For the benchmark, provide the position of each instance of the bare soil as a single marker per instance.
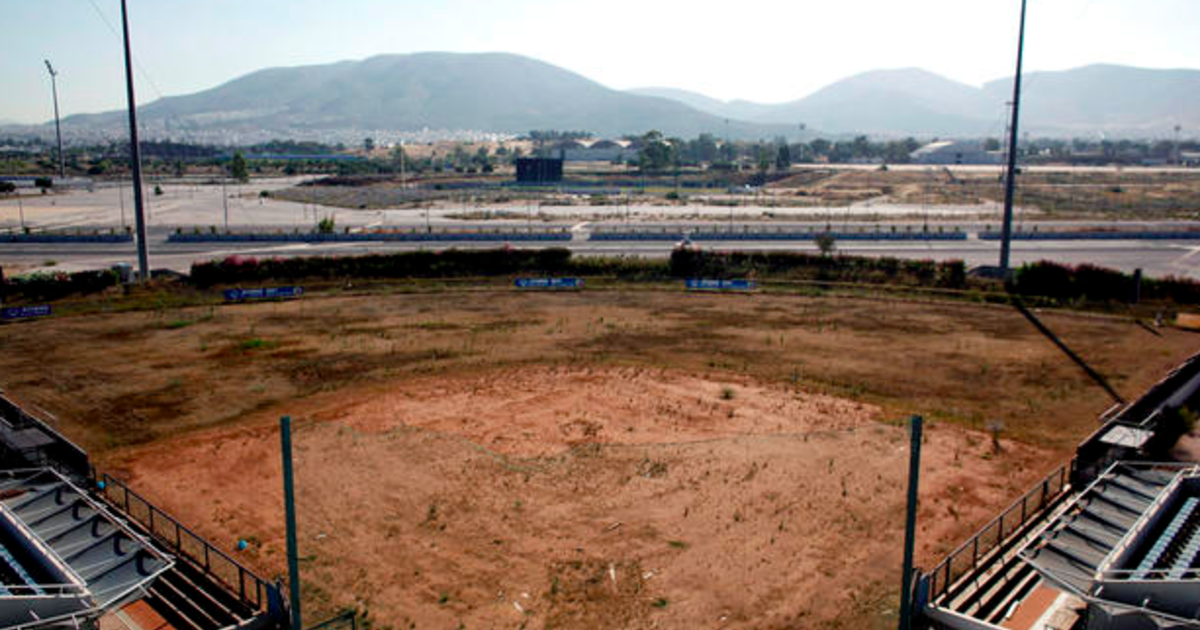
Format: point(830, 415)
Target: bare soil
point(604, 458)
point(580, 498)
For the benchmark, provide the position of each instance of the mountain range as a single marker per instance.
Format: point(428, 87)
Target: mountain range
point(1089, 101)
point(511, 94)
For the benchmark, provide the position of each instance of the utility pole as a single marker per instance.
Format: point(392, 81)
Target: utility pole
point(1011, 180)
point(135, 157)
point(62, 169)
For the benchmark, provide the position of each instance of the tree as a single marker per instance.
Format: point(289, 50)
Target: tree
point(706, 148)
point(7, 187)
point(820, 147)
point(826, 243)
point(655, 154)
point(369, 144)
point(237, 168)
point(783, 157)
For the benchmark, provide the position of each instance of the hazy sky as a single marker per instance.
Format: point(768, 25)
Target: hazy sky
point(762, 50)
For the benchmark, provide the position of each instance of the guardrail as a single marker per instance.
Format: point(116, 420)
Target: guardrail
point(979, 548)
point(168, 531)
point(1085, 235)
point(37, 237)
point(359, 237)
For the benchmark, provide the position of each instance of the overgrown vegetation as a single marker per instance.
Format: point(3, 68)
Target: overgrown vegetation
point(1072, 284)
point(54, 285)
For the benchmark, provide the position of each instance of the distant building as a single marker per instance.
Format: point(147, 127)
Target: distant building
point(1189, 158)
point(539, 170)
point(590, 150)
point(954, 152)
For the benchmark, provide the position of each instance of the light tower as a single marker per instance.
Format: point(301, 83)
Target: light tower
point(135, 158)
point(1011, 179)
point(62, 169)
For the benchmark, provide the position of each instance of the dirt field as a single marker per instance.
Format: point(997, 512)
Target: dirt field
point(628, 459)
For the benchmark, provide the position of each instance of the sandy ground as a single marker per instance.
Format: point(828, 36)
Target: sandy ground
point(738, 461)
point(579, 498)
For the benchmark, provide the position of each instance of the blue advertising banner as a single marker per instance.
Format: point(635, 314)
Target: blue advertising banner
point(700, 284)
point(549, 283)
point(268, 293)
point(25, 312)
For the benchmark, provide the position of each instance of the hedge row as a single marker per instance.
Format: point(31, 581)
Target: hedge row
point(52, 285)
point(693, 263)
point(1100, 284)
point(425, 264)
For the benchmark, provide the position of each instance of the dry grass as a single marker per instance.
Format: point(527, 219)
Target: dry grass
point(135, 377)
point(702, 451)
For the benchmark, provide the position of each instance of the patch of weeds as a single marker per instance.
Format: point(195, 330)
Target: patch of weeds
point(256, 343)
point(727, 393)
point(177, 324)
point(678, 544)
point(445, 597)
point(661, 602)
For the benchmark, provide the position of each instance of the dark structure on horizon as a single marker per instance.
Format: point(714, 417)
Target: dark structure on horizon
point(539, 170)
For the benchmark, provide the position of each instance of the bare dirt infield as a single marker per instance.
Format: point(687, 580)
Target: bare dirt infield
point(601, 459)
point(582, 498)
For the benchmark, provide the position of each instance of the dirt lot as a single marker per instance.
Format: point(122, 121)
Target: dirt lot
point(632, 459)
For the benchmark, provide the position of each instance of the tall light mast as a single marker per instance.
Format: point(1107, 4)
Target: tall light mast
point(62, 169)
point(135, 156)
point(1011, 178)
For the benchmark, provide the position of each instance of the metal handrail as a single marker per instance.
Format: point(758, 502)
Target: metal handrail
point(943, 576)
point(249, 587)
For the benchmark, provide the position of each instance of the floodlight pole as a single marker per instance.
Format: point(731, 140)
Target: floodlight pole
point(910, 525)
point(1011, 178)
point(62, 169)
point(289, 504)
point(135, 157)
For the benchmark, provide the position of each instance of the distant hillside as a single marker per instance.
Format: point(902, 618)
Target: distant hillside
point(909, 101)
point(506, 93)
point(1113, 100)
point(1100, 99)
point(735, 110)
point(488, 92)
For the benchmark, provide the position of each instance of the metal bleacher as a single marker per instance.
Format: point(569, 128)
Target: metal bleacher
point(1071, 550)
point(78, 559)
point(103, 547)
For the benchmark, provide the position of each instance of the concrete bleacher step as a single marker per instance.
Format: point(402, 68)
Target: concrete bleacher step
point(186, 604)
point(167, 609)
point(993, 592)
point(1003, 607)
point(186, 598)
point(216, 602)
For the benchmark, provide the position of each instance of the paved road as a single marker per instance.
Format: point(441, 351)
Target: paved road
point(1155, 258)
point(204, 205)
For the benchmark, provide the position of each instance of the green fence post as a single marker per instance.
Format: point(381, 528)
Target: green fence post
point(910, 528)
point(289, 503)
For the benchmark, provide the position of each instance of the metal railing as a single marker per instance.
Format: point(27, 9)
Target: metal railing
point(979, 548)
point(216, 564)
